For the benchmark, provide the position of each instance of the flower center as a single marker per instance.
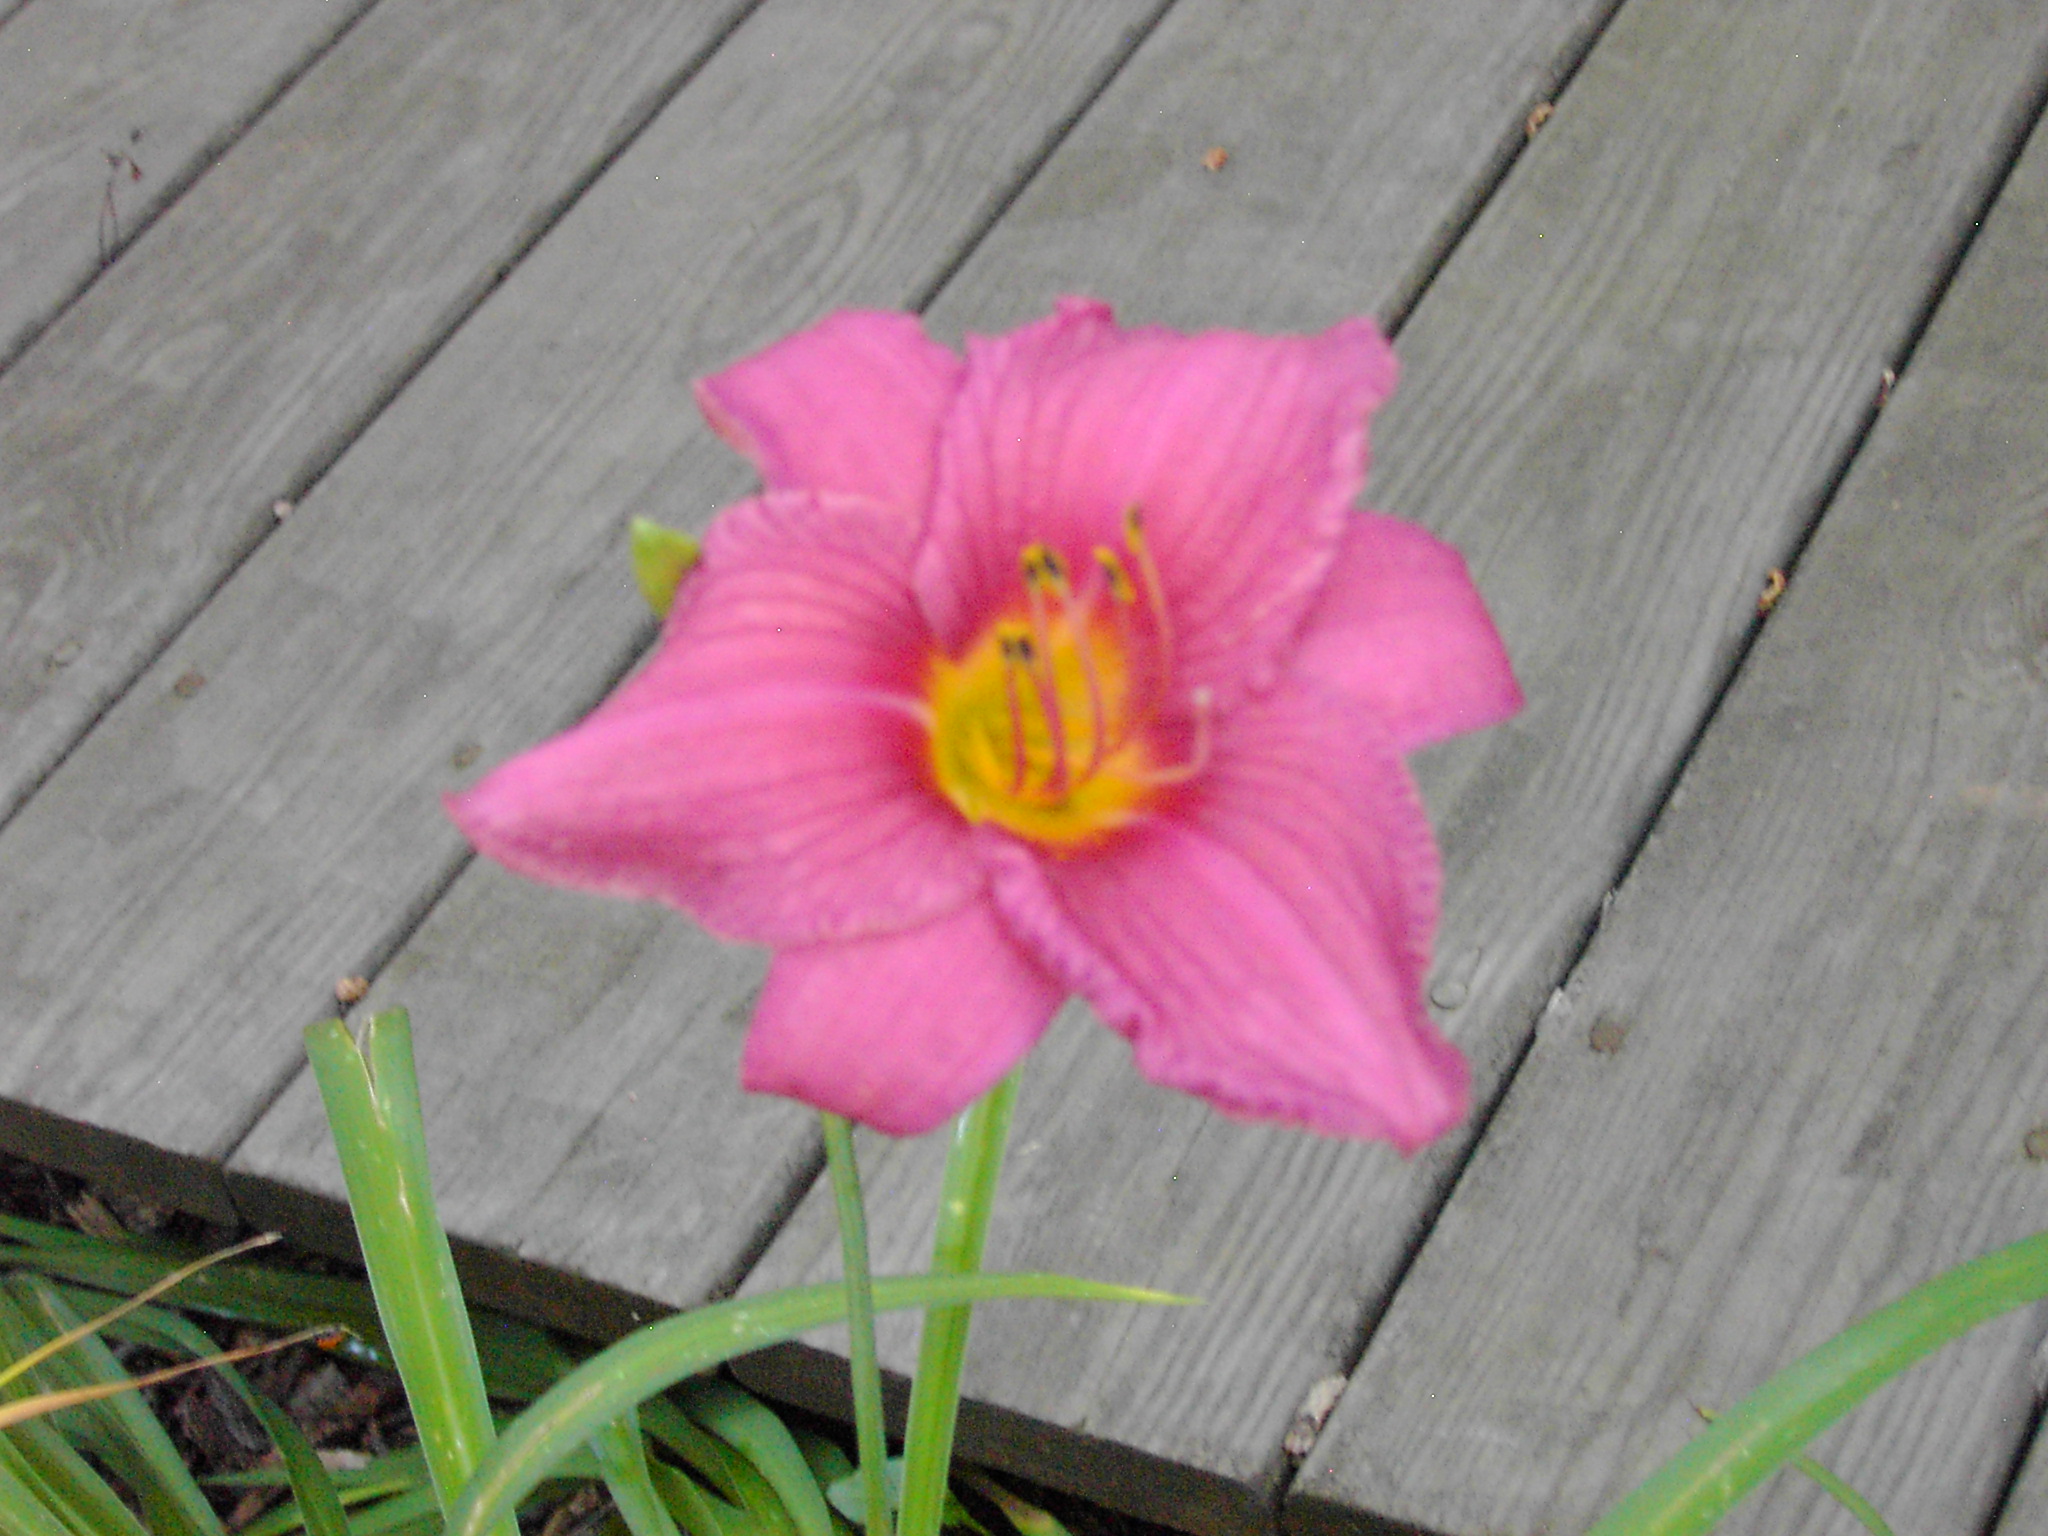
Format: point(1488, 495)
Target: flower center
point(1048, 725)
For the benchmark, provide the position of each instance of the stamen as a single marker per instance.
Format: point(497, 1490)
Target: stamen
point(1148, 573)
point(1038, 651)
point(1016, 653)
point(1118, 579)
point(1056, 651)
point(1045, 572)
point(1042, 565)
point(1123, 597)
point(1097, 726)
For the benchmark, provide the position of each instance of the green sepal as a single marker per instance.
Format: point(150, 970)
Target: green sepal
point(662, 557)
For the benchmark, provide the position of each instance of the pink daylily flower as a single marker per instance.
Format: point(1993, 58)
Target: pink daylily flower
point(1064, 668)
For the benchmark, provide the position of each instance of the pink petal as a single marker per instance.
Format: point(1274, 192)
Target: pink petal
point(853, 404)
point(903, 1031)
point(779, 815)
point(1244, 453)
point(1263, 943)
point(1400, 627)
point(766, 771)
point(794, 587)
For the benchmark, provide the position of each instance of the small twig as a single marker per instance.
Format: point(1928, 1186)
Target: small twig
point(118, 161)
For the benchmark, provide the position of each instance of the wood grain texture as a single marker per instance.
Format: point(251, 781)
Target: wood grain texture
point(583, 1114)
point(183, 892)
point(865, 159)
point(225, 361)
point(2027, 1510)
point(162, 86)
point(1360, 139)
point(1623, 396)
point(1795, 1072)
point(1345, 218)
point(662, 1199)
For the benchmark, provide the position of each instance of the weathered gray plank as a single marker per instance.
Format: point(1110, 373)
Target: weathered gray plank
point(186, 887)
point(2027, 1510)
point(1817, 1015)
point(666, 1196)
point(581, 1102)
point(1623, 396)
point(1360, 138)
point(1203, 77)
point(228, 357)
point(160, 87)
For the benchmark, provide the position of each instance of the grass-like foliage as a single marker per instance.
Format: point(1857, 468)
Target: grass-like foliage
point(507, 1415)
point(605, 1408)
point(681, 1453)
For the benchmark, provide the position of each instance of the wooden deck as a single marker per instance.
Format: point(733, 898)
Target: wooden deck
point(339, 340)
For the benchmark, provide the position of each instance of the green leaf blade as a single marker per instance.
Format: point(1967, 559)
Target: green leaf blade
point(319, 1501)
point(657, 1357)
point(622, 1458)
point(765, 1441)
point(371, 1095)
point(1690, 1493)
point(966, 1202)
point(120, 1429)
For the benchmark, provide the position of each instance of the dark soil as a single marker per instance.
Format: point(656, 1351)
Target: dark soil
point(346, 1410)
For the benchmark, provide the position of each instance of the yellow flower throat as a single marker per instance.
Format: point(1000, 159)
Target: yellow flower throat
point(1039, 727)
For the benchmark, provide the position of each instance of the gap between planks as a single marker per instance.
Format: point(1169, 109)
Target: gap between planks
point(1622, 424)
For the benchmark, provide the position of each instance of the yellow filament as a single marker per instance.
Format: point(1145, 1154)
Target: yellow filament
point(1036, 738)
point(1036, 582)
point(1016, 653)
point(1148, 575)
point(1040, 727)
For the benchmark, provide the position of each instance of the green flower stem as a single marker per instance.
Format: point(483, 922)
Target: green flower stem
point(966, 1201)
point(1745, 1445)
point(860, 1322)
point(371, 1094)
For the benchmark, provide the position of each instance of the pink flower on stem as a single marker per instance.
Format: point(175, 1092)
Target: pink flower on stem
point(1064, 668)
